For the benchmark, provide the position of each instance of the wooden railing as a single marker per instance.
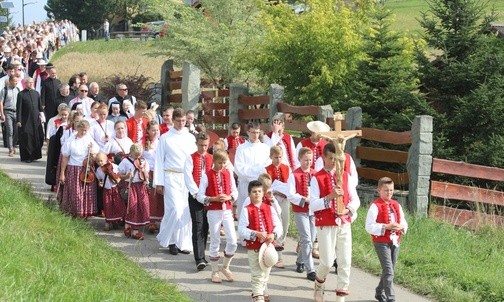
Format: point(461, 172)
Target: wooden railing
point(480, 198)
point(383, 155)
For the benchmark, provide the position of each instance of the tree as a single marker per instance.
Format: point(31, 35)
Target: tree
point(311, 53)
point(213, 37)
point(84, 14)
point(463, 80)
point(385, 84)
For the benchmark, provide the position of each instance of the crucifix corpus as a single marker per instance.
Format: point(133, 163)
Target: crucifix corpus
point(339, 138)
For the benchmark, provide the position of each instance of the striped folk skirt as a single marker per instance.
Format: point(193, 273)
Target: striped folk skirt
point(113, 205)
point(78, 199)
point(156, 203)
point(137, 211)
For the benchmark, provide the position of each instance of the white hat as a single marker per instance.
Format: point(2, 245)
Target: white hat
point(7, 49)
point(39, 55)
point(268, 256)
point(318, 126)
point(15, 62)
point(41, 63)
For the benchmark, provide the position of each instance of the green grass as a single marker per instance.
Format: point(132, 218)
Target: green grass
point(408, 11)
point(47, 256)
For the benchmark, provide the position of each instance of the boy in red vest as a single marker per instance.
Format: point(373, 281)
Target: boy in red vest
point(299, 197)
point(196, 166)
point(279, 173)
point(217, 191)
point(386, 223)
point(333, 227)
point(233, 140)
point(314, 142)
point(258, 223)
point(136, 125)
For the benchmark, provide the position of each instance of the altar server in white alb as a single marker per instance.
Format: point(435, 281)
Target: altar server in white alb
point(250, 160)
point(173, 149)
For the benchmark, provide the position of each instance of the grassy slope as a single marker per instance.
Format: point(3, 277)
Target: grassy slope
point(408, 11)
point(50, 257)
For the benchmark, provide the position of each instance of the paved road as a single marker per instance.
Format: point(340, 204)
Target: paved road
point(285, 284)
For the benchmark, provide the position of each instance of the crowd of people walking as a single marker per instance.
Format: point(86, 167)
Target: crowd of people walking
point(155, 171)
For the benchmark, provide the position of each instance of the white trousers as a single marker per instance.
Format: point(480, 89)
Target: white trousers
point(335, 242)
point(216, 218)
point(259, 278)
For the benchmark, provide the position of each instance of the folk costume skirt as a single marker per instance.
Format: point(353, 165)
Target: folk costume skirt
point(114, 207)
point(79, 199)
point(137, 209)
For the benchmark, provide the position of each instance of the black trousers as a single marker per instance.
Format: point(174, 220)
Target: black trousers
point(199, 228)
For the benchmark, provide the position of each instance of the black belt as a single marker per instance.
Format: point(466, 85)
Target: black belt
point(11, 110)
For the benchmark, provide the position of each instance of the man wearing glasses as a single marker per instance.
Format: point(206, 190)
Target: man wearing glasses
point(122, 94)
point(84, 100)
point(250, 160)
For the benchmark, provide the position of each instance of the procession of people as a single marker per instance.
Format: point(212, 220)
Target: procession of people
point(154, 171)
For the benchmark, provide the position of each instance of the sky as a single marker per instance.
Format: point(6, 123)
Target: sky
point(32, 12)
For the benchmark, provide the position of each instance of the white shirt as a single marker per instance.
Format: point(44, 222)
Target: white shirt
point(99, 130)
point(77, 149)
point(251, 159)
point(353, 177)
point(173, 149)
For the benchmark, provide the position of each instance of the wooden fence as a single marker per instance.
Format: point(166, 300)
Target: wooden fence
point(481, 199)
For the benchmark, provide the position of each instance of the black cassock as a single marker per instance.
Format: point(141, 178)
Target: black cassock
point(31, 133)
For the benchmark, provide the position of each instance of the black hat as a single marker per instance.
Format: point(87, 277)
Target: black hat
point(49, 65)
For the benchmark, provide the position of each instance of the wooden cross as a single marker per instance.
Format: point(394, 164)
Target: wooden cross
point(338, 121)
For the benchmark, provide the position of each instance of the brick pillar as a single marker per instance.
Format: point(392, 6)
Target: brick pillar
point(276, 93)
point(420, 165)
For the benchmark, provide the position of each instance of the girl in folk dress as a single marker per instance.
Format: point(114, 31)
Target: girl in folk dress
point(135, 169)
point(156, 202)
point(79, 198)
point(121, 143)
point(113, 205)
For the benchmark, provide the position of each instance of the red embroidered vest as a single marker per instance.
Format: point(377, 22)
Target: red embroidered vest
point(318, 149)
point(286, 139)
point(327, 217)
point(233, 142)
point(131, 124)
point(281, 173)
point(253, 216)
point(212, 189)
point(163, 128)
point(197, 171)
point(383, 217)
point(302, 187)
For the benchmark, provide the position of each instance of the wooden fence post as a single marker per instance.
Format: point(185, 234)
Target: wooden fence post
point(353, 121)
point(165, 78)
point(191, 79)
point(419, 165)
point(276, 93)
point(234, 91)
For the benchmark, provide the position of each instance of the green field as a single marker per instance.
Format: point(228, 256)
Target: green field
point(408, 11)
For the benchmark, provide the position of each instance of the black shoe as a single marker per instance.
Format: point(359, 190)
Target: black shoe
point(335, 264)
point(311, 276)
point(173, 249)
point(186, 252)
point(300, 267)
point(380, 298)
point(200, 265)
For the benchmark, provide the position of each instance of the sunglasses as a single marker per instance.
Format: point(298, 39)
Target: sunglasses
point(123, 89)
point(83, 91)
